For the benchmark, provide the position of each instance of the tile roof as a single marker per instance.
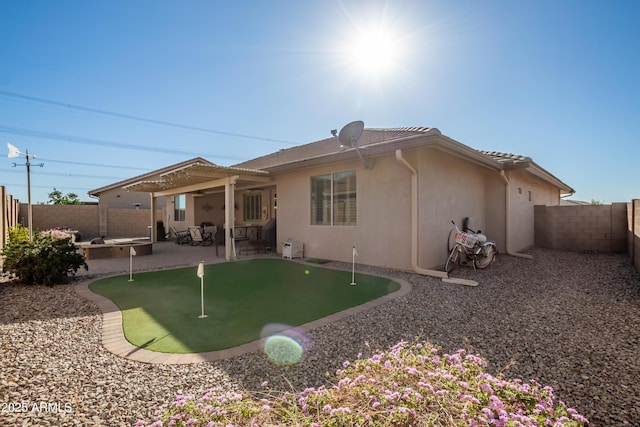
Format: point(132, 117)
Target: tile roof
point(515, 161)
point(506, 158)
point(373, 141)
point(376, 139)
point(329, 146)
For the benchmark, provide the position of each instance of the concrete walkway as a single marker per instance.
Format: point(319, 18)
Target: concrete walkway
point(169, 255)
point(165, 255)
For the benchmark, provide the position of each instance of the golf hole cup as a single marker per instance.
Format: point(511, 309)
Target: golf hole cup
point(283, 344)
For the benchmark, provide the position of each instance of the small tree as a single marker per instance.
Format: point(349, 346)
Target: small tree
point(48, 260)
point(57, 198)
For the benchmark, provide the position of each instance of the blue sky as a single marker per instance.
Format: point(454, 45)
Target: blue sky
point(553, 80)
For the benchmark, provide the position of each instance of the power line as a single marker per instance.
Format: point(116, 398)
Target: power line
point(58, 187)
point(67, 162)
point(90, 141)
point(69, 175)
point(142, 119)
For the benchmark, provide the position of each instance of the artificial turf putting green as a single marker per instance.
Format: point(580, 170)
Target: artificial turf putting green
point(160, 309)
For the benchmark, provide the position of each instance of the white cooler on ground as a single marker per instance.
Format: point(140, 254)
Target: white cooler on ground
point(292, 249)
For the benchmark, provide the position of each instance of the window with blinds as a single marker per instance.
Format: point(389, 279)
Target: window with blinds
point(333, 199)
point(253, 206)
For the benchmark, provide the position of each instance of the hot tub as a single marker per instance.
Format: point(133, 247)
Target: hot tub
point(116, 250)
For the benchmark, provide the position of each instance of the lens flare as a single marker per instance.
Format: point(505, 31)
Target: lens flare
point(283, 344)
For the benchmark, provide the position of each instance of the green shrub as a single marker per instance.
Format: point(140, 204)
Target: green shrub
point(406, 386)
point(49, 259)
point(18, 234)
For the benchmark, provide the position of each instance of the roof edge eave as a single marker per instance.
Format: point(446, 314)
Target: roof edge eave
point(547, 176)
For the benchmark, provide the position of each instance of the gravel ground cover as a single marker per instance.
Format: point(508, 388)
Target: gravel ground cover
point(571, 321)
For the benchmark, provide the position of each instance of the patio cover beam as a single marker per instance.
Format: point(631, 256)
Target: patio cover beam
point(195, 187)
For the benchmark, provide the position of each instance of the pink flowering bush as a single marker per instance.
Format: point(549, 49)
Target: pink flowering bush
point(409, 385)
point(47, 260)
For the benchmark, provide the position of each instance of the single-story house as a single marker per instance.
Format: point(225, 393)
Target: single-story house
point(392, 196)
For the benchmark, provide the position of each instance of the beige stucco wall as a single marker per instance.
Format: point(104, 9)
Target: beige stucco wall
point(121, 199)
point(495, 212)
point(449, 188)
point(526, 191)
point(209, 209)
point(383, 219)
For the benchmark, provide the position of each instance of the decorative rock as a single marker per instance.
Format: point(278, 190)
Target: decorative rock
point(567, 320)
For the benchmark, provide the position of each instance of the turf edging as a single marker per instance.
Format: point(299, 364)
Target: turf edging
point(113, 339)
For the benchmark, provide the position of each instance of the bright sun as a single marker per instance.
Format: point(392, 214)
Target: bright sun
point(374, 52)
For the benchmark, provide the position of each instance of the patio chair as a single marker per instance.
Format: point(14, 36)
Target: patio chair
point(182, 237)
point(198, 237)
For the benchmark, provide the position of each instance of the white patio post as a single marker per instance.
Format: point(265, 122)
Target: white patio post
point(229, 217)
point(153, 238)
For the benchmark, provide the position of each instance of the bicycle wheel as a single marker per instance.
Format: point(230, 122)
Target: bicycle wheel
point(486, 257)
point(452, 259)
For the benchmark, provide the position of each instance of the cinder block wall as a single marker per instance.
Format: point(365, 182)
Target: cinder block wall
point(92, 220)
point(633, 219)
point(83, 218)
point(582, 228)
point(128, 222)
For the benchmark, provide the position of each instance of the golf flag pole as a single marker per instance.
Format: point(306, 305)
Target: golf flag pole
point(201, 276)
point(353, 268)
point(132, 253)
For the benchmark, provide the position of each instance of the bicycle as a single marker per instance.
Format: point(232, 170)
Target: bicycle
point(474, 246)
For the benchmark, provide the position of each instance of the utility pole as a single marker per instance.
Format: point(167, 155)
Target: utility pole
point(14, 152)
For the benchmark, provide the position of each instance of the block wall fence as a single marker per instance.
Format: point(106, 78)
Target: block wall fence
point(633, 219)
point(582, 228)
point(91, 220)
point(579, 228)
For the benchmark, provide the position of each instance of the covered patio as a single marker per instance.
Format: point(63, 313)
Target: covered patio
point(202, 179)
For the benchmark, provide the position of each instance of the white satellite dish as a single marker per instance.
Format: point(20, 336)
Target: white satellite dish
point(350, 133)
point(13, 151)
point(349, 136)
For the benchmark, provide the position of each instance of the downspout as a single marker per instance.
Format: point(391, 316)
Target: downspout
point(507, 219)
point(414, 230)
